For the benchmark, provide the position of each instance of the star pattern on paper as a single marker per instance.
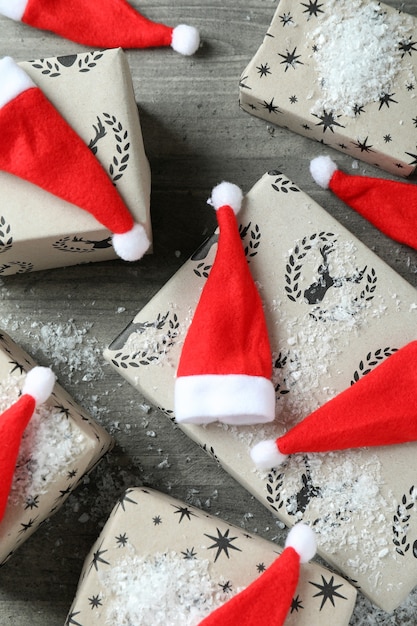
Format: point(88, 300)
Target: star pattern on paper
point(32, 502)
point(242, 84)
point(414, 156)
point(290, 59)
point(312, 8)
point(63, 410)
point(16, 367)
point(296, 604)
point(95, 601)
point(263, 69)
point(327, 120)
point(189, 554)
point(226, 587)
point(71, 621)
point(223, 543)
point(27, 526)
point(363, 145)
point(406, 46)
point(357, 110)
point(72, 474)
point(125, 498)
point(270, 106)
point(386, 98)
point(327, 591)
point(121, 540)
point(261, 567)
point(286, 18)
point(293, 99)
point(183, 511)
point(157, 520)
point(387, 138)
point(97, 558)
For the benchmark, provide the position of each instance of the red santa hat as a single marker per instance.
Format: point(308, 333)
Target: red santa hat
point(389, 205)
point(38, 145)
point(380, 409)
point(225, 368)
point(106, 24)
point(37, 388)
point(267, 600)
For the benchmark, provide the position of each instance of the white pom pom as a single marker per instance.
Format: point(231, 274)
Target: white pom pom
point(13, 8)
point(185, 39)
point(226, 194)
point(322, 169)
point(39, 383)
point(266, 455)
point(303, 539)
point(131, 246)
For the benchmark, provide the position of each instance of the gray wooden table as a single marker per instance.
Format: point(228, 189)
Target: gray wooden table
point(195, 135)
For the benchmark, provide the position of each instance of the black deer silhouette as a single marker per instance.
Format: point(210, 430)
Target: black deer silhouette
point(317, 290)
point(299, 501)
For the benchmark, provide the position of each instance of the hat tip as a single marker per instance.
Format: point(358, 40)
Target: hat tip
point(131, 245)
point(39, 383)
point(226, 194)
point(303, 540)
point(185, 39)
point(266, 455)
point(322, 169)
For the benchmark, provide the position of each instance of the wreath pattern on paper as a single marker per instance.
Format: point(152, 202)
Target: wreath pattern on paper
point(120, 159)
point(55, 67)
point(6, 237)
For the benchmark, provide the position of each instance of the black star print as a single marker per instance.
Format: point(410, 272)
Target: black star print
point(71, 474)
point(327, 120)
point(306, 127)
point(286, 18)
point(263, 70)
point(414, 157)
point(399, 166)
point(121, 540)
point(16, 367)
point(95, 602)
point(293, 99)
point(386, 99)
point(63, 493)
point(71, 621)
point(387, 138)
point(312, 8)
point(290, 59)
point(64, 410)
point(157, 520)
point(242, 84)
point(226, 587)
point(407, 46)
point(342, 146)
point(223, 543)
point(97, 559)
point(409, 87)
point(28, 526)
point(270, 106)
point(261, 567)
point(32, 502)
point(184, 511)
point(357, 109)
point(124, 498)
point(327, 591)
point(363, 146)
point(296, 604)
point(189, 554)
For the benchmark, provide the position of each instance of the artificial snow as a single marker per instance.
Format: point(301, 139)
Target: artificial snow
point(160, 589)
point(358, 54)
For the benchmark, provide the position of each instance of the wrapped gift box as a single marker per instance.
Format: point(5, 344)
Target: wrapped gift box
point(334, 310)
point(147, 528)
point(60, 445)
point(40, 231)
point(304, 44)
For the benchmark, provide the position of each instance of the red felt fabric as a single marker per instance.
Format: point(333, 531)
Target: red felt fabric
point(228, 333)
point(380, 409)
point(97, 23)
point(38, 145)
point(389, 205)
point(12, 426)
point(266, 601)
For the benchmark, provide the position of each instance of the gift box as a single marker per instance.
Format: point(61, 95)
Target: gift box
point(60, 445)
point(342, 73)
point(148, 534)
point(37, 229)
point(334, 311)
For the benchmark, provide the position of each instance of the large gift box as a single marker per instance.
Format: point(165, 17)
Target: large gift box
point(94, 93)
point(334, 311)
point(342, 72)
point(60, 445)
point(155, 551)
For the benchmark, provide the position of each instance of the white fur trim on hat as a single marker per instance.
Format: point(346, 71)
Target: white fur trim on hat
point(226, 194)
point(303, 539)
point(266, 455)
point(13, 80)
point(322, 169)
point(13, 9)
point(39, 383)
point(185, 39)
point(230, 398)
point(132, 245)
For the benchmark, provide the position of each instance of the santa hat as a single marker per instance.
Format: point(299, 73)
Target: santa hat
point(268, 599)
point(380, 409)
point(104, 24)
point(225, 368)
point(389, 205)
point(37, 388)
point(38, 145)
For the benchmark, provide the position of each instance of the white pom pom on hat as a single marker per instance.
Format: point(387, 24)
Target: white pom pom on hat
point(226, 194)
point(303, 539)
point(185, 39)
point(39, 383)
point(322, 169)
point(131, 245)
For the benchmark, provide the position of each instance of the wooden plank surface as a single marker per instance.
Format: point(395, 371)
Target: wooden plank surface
point(195, 135)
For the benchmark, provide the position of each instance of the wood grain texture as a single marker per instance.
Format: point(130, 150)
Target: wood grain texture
point(195, 135)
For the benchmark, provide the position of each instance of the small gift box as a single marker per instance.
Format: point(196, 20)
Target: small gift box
point(60, 444)
point(38, 229)
point(155, 551)
point(341, 72)
point(334, 311)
